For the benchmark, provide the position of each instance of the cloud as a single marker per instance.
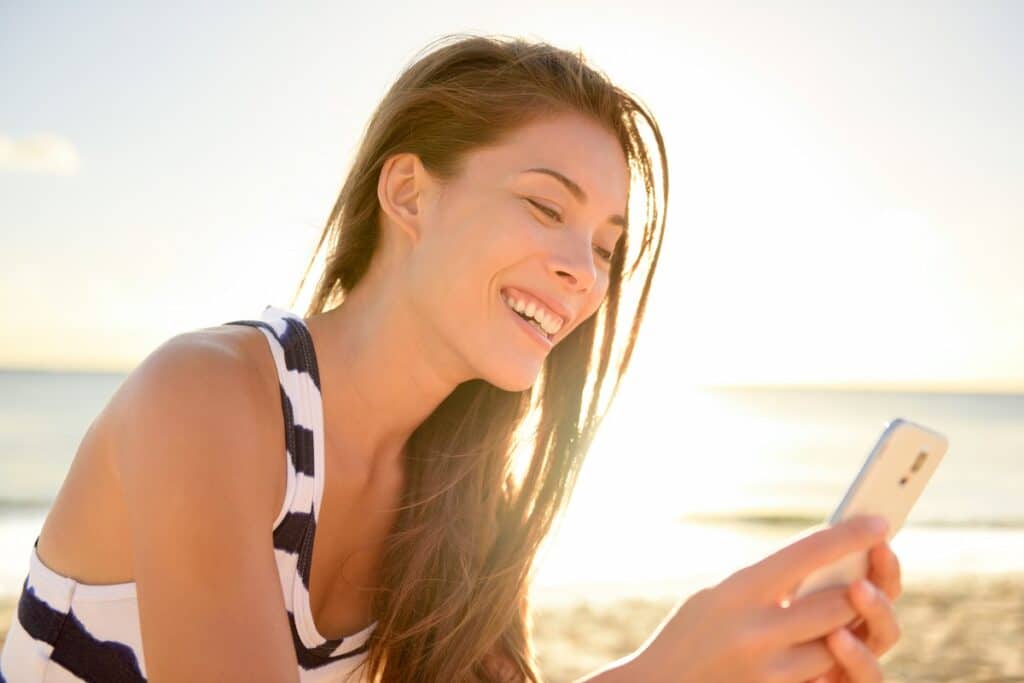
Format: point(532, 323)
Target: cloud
point(40, 153)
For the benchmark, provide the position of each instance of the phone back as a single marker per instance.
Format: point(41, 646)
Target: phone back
point(894, 474)
point(888, 484)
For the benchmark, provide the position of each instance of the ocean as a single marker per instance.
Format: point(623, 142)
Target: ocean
point(675, 493)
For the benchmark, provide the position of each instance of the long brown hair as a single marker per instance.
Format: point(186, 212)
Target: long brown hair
point(456, 570)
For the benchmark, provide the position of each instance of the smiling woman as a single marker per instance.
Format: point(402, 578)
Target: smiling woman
point(475, 260)
point(506, 200)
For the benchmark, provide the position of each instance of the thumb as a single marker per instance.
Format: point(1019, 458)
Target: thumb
point(780, 573)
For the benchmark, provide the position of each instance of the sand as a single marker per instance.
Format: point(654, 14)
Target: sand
point(968, 630)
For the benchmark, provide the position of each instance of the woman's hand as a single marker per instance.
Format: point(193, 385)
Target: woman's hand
point(879, 630)
point(739, 630)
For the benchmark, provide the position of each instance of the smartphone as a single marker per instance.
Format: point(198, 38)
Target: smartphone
point(888, 484)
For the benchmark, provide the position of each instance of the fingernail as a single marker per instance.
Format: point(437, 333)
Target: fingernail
point(867, 589)
point(878, 525)
point(844, 640)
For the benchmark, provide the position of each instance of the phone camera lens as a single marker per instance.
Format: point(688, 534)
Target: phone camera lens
point(918, 461)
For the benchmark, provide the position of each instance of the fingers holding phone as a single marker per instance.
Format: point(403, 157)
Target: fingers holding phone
point(814, 549)
point(876, 630)
point(738, 630)
point(801, 613)
point(885, 570)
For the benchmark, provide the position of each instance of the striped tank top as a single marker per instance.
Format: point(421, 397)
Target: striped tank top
point(64, 630)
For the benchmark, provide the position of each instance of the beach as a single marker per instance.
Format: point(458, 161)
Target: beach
point(645, 531)
point(966, 630)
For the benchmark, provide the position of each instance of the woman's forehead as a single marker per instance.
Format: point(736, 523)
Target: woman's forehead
point(572, 148)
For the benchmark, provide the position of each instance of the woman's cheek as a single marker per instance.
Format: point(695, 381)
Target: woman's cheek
point(538, 237)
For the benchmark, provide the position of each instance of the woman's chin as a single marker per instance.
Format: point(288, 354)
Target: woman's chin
point(514, 379)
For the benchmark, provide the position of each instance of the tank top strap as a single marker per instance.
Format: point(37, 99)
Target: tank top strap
point(294, 355)
point(299, 382)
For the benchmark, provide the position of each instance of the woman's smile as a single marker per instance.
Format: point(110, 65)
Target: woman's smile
point(532, 328)
point(549, 317)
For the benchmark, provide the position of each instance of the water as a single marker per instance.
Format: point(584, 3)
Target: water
point(676, 493)
point(679, 493)
point(43, 417)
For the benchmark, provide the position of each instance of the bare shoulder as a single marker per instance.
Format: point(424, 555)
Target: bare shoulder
point(199, 481)
point(213, 388)
point(207, 392)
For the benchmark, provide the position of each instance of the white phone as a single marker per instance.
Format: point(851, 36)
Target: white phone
point(888, 484)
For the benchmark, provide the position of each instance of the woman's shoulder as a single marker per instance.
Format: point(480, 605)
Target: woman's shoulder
point(214, 375)
point(210, 397)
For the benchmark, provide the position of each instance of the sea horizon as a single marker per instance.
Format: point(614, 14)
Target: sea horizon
point(687, 506)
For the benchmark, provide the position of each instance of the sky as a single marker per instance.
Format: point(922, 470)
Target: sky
point(846, 179)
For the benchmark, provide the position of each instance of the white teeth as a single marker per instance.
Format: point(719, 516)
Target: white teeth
point(552, 324)
point(546, 322)
point(542, 317)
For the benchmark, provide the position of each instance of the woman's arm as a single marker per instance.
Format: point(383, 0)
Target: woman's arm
point(209, 595)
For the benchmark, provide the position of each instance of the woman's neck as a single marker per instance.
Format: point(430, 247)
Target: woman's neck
point(381, 374)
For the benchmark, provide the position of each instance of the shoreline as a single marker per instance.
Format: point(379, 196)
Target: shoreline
point(958, 629)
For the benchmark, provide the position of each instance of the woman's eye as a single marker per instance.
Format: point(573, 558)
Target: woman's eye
point(550, 213)
point(605, 254)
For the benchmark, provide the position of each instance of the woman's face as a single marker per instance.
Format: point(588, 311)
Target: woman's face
point(501, 236)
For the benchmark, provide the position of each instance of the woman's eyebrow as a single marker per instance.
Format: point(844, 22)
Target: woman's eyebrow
point(576, 191)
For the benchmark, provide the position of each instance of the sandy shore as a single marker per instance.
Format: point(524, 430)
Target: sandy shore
point(969, 630)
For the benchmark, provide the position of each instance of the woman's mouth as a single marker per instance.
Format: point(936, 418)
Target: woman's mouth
point(538, 322)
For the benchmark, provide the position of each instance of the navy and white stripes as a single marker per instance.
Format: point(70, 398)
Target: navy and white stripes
point(68, 631)
point(299, 378)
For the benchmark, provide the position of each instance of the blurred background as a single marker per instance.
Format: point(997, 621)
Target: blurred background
point(843, 244)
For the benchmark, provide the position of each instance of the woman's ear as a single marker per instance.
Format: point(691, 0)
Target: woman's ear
point(400, 190)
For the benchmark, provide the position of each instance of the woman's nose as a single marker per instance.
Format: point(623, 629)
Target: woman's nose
point(574, 264)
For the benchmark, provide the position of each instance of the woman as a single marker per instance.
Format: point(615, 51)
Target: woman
point(483, 224)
